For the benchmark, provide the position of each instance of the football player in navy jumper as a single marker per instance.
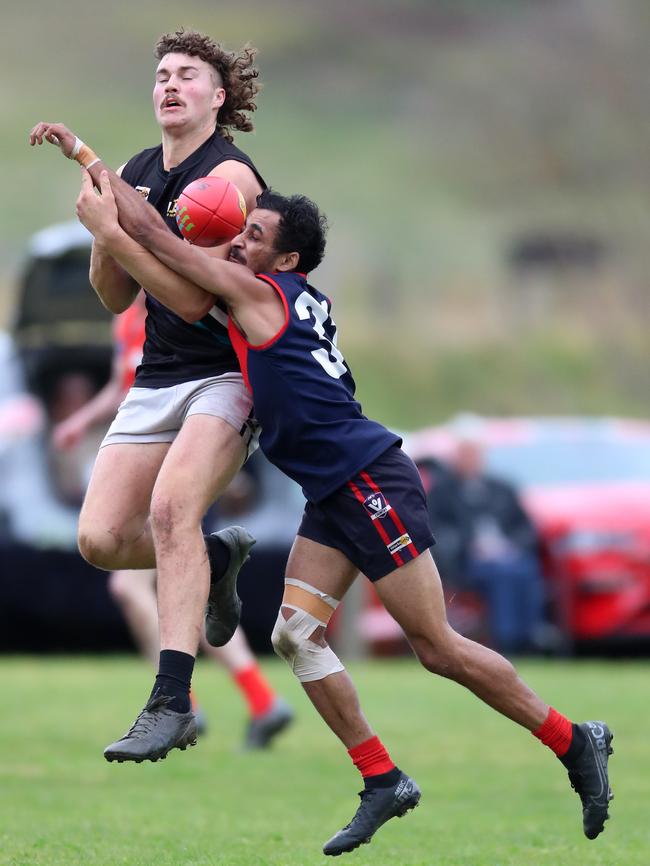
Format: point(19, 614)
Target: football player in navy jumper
point(184, 429)
point(366, 510)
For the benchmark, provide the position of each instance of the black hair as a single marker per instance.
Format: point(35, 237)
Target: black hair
point(302, 228)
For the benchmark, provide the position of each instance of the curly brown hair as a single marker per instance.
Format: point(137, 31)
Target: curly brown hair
point(236, 70)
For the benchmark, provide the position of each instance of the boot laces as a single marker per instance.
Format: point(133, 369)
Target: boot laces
point(146, 720)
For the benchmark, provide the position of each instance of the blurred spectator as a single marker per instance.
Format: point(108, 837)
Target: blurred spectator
point(486, 542)
point(70, 468)
point(31, 510)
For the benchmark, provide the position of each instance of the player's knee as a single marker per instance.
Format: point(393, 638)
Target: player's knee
point(298, 638)
point(282, 640)
point(98, 548)
point(439, 656)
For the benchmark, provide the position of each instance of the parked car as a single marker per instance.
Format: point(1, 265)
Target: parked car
point(586, 484)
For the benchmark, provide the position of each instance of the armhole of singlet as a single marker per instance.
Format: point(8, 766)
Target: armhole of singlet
point(275, 337)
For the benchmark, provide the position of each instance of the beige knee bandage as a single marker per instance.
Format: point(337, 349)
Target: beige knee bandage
point(298, 633)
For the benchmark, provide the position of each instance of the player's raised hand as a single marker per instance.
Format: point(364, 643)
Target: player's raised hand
point(97, 212)
point(54, 133)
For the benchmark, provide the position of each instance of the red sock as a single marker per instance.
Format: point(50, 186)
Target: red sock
point(556, 732)
point(258, 693)
point(371, 758)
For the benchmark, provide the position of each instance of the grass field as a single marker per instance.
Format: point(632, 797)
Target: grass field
point(492, 795)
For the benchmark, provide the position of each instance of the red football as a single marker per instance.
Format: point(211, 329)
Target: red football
point(210, 211)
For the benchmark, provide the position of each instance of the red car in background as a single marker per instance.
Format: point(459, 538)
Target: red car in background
point(586, 484)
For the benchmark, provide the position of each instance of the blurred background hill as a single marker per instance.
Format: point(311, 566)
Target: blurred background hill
point(484, 165)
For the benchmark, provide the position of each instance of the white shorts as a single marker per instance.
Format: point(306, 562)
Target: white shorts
point(157, 414)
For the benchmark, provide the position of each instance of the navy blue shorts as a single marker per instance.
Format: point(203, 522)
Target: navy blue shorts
point(379, 519)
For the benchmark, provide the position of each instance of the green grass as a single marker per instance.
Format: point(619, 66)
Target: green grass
point(492, 796)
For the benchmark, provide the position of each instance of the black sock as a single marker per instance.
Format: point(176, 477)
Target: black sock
point(218, 555)
point(174, 678)
point(383, 780)
point(578, 742)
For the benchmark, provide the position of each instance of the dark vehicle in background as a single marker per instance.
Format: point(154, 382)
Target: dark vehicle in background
point(56, 355)
point(586, 484)
point(59, 325)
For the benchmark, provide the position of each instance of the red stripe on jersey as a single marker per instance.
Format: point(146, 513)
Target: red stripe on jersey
point(394, 516)
point(240, 345)
point(380, 529)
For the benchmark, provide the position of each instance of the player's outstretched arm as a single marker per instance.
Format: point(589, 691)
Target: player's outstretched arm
point(158, 257)
point(133, 209)
point(136, 216)
point(229, 281)
point(186, 300)
point(114, 287)
point(254, 304)
point(100, 216)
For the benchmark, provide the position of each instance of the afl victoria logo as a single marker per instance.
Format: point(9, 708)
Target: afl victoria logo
point(376, 505)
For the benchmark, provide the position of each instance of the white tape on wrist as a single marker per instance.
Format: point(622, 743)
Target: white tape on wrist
point(78, 144)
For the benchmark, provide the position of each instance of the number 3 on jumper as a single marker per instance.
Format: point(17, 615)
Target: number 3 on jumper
point(330, 358)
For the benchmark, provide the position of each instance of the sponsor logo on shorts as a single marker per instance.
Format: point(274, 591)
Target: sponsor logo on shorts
point(376, 505)
point(399, 543)
point(144, 191)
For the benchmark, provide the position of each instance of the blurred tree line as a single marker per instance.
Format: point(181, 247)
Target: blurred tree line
point(483, 166)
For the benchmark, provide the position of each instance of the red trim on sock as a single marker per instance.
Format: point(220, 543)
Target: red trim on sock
point(257, 691)
point(556, 732)
point(371, 758)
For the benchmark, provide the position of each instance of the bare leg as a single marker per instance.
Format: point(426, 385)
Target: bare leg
point(388, 792)
point(268, 713)
point(135, 593)
point(413, 596)
point(334, 697)
point(114, 531)
point(235, 656)
point(205, 456)
point(336, 700)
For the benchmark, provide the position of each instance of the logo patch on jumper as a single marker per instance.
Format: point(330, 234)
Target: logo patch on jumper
point(376, 505)
point(171, 207)
point(144, 191)
point(399, 543)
